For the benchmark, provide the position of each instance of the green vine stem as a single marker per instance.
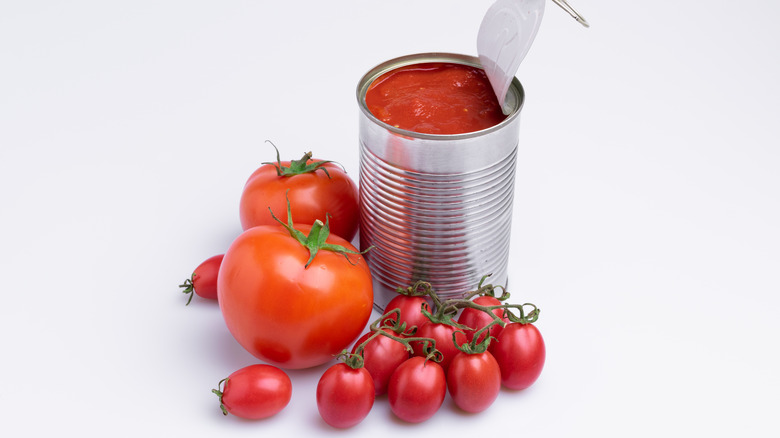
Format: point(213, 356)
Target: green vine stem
point(396, 325)
point(475, 347)
point(441, 316)
point(353, 360)
point(523, 318)
point(378, 328)
point(421, 289)
point(487, 290)
point(445, 310)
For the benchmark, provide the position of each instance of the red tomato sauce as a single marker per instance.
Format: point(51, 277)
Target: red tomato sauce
point(435, 98)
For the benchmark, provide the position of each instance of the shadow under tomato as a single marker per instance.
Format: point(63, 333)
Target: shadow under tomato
point(450, 405)
point(223, 347)
point(518, 393)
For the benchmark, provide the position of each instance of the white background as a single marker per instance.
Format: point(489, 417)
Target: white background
point(646, 220)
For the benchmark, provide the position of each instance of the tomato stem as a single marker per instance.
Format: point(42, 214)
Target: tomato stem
point(220, 393)
point(487, 290)
point(445, 313)
point(531, 317)
point(474, 347)
point(418, 289)
point(378, 327)
point(298, 167)
point(421, 289)
point(395, 324)
point(353, 360)
point(445, 310)
point(316, 240)
point(189, 288)
point(451, 306)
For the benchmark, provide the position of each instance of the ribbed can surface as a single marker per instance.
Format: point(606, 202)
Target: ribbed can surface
point(436, 208)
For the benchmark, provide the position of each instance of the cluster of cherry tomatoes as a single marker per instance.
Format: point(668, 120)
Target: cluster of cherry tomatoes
point(295, 293)
point(423, 347)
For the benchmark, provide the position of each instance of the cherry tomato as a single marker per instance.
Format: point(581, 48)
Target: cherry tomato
point(312, 193)
point(442, 334)
point(417, 389)
point(203, 280)
point(381, 356)
point(520, 353)
point(285, 312)
point(477, 319)
point(345, 395)
point(474, 381)
point(255, 392)
point(410, 308)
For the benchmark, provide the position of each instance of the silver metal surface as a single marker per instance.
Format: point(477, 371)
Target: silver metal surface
point(436, 208)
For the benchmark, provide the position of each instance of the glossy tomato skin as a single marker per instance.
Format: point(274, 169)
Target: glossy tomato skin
point(477, 319)
point(256, 391)
point(381, 356)
point(520, 353)
point(410, 309)
point(311, 196)
point(203, 281)
point(417, 389)
point(204, 278)
point(345, 395)
point(443, 335)
point(287, 314)
point(474, 381)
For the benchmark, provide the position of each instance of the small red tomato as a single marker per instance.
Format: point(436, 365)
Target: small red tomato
point(477, 319)
point(315, 188)
point(255, 392)
point(381, 356)
point(410, 308)
point(203, 280)
point(520, 353)
point(417, 389)
point(345, 395)
point(474, 381)
point(443, 335)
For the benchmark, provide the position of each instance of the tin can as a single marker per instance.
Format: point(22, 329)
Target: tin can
point(436, 208)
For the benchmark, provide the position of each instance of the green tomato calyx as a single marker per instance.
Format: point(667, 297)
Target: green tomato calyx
point(189, 287)
point(220, 393)
point(316, 240)
point(298, 167)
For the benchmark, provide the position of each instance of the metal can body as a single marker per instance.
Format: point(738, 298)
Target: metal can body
point(436, 208)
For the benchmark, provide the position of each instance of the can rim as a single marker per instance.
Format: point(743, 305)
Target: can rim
point(515, 98)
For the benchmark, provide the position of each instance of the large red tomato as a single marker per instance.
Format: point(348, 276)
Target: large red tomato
point(313, 189)
point(284, 312)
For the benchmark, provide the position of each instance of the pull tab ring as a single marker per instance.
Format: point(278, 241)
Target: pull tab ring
point(576, 15)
